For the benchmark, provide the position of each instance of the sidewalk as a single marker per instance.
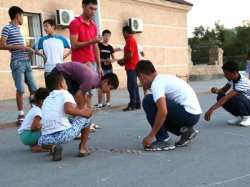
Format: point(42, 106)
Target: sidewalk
point(120, 97)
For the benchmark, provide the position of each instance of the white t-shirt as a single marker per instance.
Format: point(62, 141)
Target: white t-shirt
point(177, 90)
point(29, 118)
point(53, 47)
point(54, 117)
point(140, 49)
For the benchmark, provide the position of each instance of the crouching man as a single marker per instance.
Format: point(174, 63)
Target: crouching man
point(173, 106)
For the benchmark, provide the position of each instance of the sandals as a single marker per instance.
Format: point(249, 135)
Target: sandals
point(57, 153)
point(87, 153)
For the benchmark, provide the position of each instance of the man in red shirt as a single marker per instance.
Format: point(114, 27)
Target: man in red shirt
point(84, 41)
point(130, 60)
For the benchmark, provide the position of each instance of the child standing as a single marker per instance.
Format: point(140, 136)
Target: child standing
point(106, 51)
point(29, 131)
point(56, 127)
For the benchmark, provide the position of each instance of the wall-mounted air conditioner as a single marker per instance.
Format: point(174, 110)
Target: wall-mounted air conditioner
point(64, 17)
point(136, 24)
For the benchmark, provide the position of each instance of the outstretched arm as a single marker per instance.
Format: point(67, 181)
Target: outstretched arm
point(161, 115)
point(219, 103)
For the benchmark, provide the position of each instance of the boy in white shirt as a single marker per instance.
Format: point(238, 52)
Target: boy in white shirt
point(57, 128)
point(173, 106)
point(30, 130)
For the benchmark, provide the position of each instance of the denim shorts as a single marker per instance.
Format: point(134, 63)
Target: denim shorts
point(92, 91)
point(106, 71)
point(22, 73)
point(78, 123)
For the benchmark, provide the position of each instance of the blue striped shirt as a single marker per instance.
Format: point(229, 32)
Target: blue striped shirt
point(14, 37)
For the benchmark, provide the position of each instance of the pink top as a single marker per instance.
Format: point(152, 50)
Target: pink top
point(85, 32)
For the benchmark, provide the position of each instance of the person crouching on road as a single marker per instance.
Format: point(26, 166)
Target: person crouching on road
point(173, 106)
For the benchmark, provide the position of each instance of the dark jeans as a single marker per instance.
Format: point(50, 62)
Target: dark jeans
point(177, 117)
point(239, 105)
point(133, 89)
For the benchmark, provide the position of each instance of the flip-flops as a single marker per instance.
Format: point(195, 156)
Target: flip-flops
point(87, 153)
point(57, 153)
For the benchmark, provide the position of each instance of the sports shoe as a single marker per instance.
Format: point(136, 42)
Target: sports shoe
point(20, 119)
point(108, 105)
point(245, 122)
point(57, 153)
point(235, 121)
point(128, 108)
point(161, 146)
point(187, 135)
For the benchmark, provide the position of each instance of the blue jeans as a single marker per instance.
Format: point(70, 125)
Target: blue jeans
point(239, 105)
point(177, 117)
point(133, 89)
point(22, 73)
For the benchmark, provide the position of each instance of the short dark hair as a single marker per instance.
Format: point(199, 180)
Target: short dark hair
point(14, 11)
point(112, 79)
point(127, 29)
point(53, 81)
point(231, 66)
point(145, 66)
point(50, 22)
point(86, 2)
point(106, 31)
point(41, 94)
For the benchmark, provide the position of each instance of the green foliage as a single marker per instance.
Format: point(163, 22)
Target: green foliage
point(234, 42)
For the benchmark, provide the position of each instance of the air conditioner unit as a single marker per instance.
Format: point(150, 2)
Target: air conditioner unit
point(135, 24)
point(64, 17)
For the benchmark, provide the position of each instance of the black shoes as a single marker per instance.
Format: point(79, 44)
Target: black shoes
point(187, 135)
point(130, 108)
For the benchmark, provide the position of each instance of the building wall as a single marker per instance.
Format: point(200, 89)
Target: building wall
point(164, 37)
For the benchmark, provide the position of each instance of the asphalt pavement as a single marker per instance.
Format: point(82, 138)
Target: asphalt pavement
point(217, 157)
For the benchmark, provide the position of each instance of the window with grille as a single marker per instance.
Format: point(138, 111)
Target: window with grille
point(32, 31)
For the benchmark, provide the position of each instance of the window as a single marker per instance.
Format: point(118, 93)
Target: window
point(32, 31)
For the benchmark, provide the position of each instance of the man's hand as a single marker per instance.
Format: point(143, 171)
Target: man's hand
point(96, 39)
point(208, 115)
point(120, 62)
point(100, 72)
point(30, 50)
point(214, 90)
point(147, 140)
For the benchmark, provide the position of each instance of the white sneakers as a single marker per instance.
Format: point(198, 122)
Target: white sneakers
point(242, 121)
point(235, 121)
point(246, 121)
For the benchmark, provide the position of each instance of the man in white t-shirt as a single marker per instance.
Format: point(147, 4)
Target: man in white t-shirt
point(171, 98)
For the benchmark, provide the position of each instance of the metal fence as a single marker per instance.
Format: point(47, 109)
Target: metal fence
point(200, 55)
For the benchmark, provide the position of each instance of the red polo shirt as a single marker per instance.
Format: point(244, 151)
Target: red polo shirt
point(85, 33)
point(131, 46)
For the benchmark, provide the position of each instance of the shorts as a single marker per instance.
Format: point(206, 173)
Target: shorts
point(29, 137)
point(92, 91)
point(107, 71)
point(78, 123)
point(22, 73)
